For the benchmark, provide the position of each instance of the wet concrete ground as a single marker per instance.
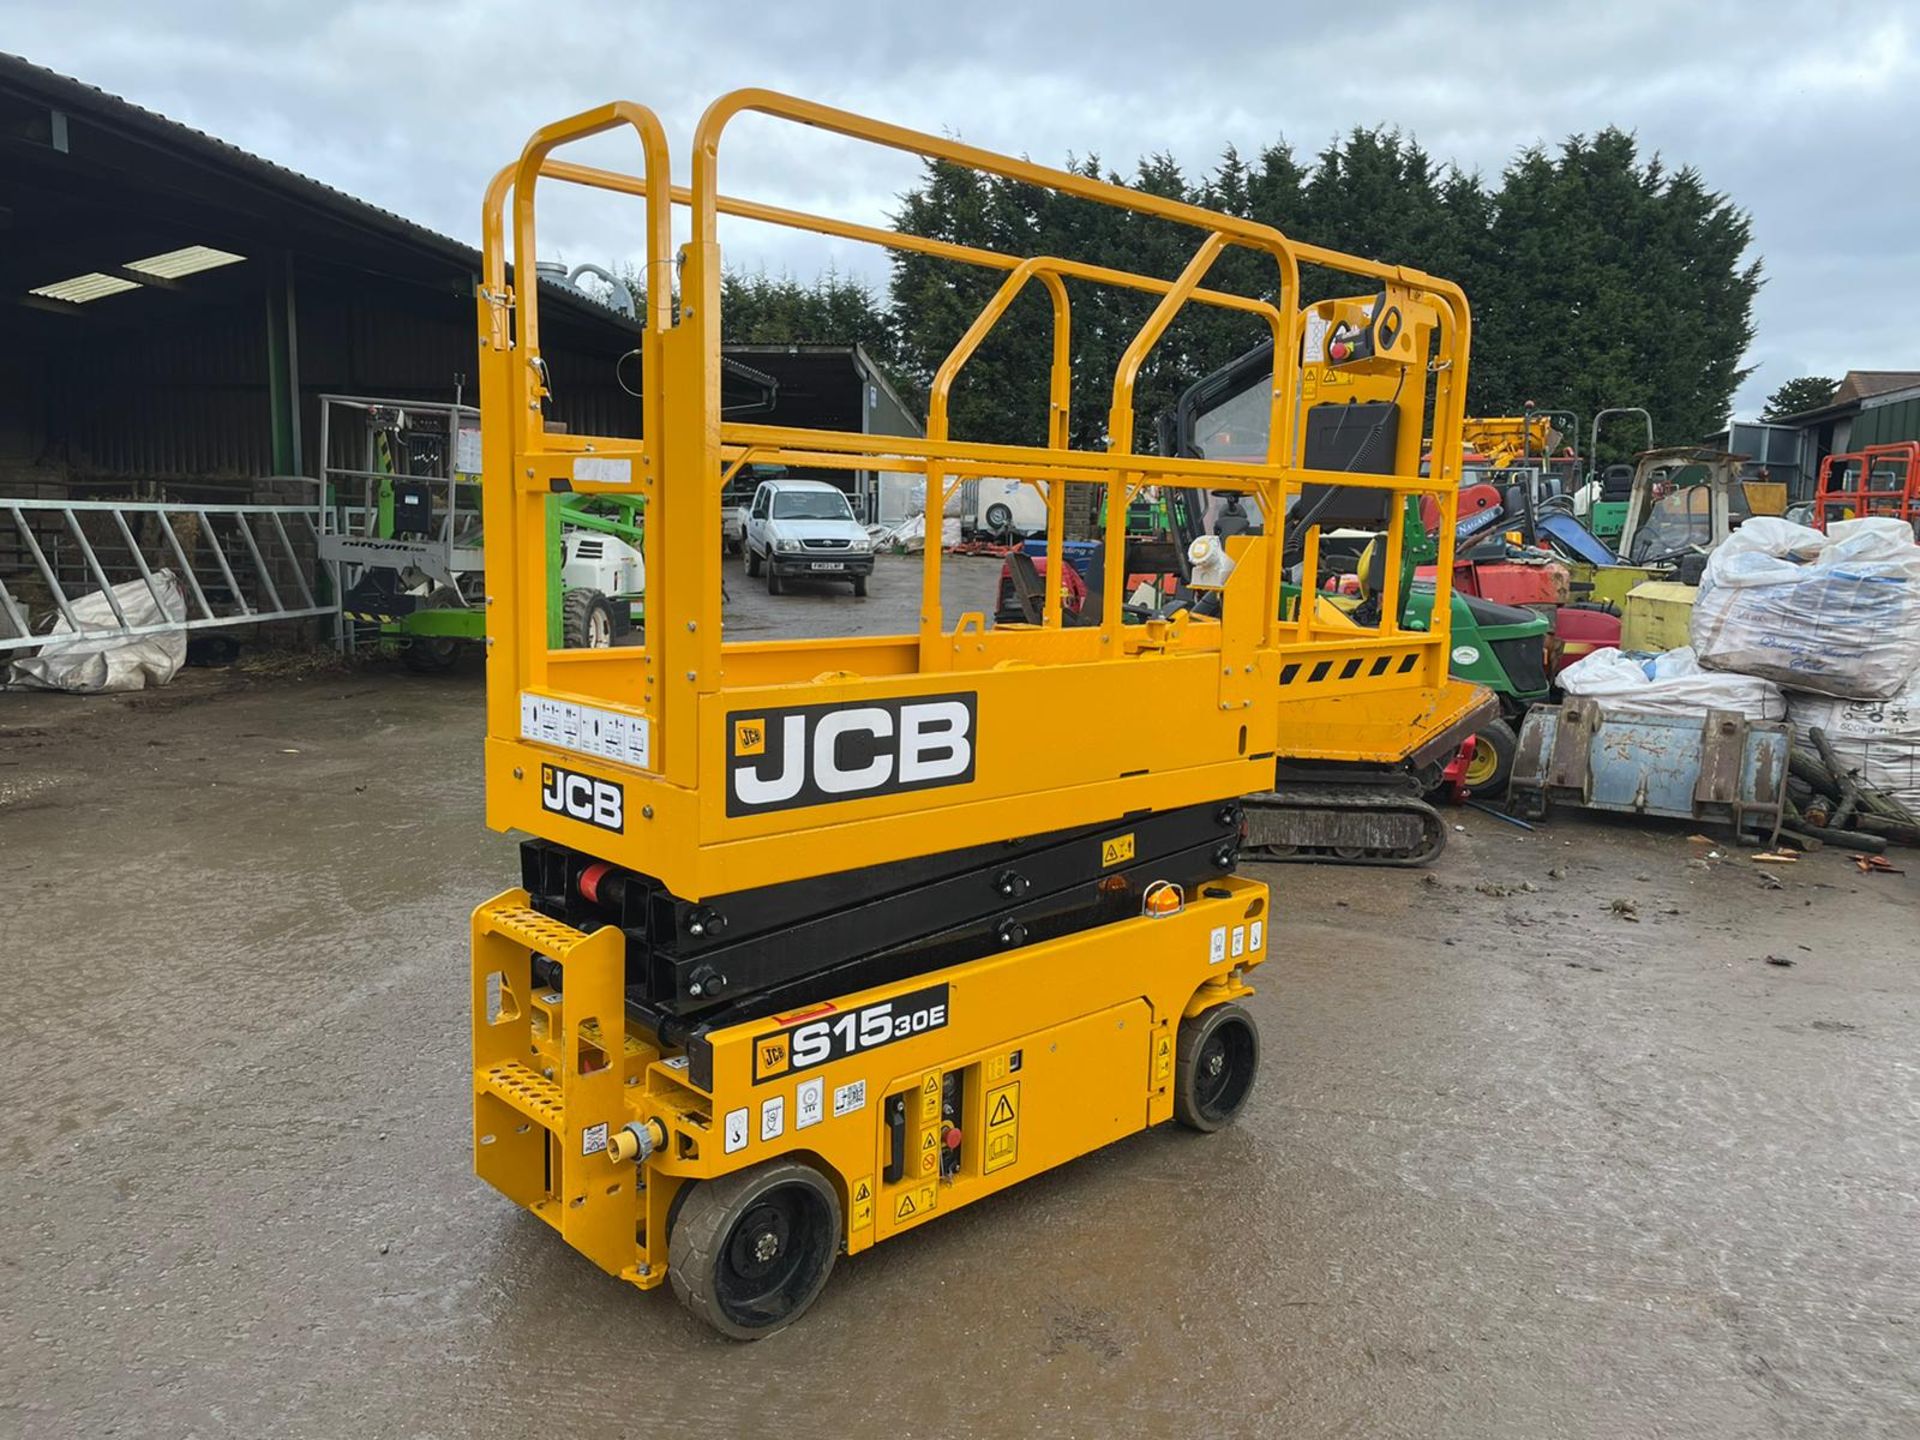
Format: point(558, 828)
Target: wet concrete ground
point(1518, 1164)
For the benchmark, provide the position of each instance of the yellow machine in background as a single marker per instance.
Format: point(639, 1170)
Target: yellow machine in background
point(819, 938)
point(1350, 773)
point(1505, 439)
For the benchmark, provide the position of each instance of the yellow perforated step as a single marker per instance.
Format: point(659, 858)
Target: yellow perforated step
point(528, 1091)
point(535, 931)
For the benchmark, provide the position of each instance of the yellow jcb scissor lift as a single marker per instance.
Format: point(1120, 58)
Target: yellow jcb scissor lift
point(819, 939)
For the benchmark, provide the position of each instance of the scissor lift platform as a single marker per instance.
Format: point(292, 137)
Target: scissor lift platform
point(820, 938)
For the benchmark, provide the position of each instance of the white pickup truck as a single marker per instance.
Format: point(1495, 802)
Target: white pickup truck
point(804, 529)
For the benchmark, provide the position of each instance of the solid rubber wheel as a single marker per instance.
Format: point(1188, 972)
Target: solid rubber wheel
point(1492, 763)
point(1216, 1056)
point(749, 1252)
point(753, 564)
point(860, 586)
point(586, 620)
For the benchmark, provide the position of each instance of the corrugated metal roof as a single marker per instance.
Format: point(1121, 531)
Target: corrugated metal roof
point(64, 92)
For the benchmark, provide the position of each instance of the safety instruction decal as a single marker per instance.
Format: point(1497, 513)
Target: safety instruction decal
point(810, 1103)
point(862, 1202)
point(586, 729)
point(773, 1117)
point(1116, 851)
point(914, 1203)
point(736, 1138)
point(1003, 1127)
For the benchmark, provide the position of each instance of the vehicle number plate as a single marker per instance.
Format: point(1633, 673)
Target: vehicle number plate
point(829, 565)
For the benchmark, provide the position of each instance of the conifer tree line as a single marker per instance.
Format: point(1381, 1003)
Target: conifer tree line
point(1598, 277)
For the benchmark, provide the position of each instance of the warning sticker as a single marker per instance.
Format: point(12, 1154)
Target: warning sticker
point(916, 1202)
point(810, 1103)
point(930, 1098)
point(849, 1098)
point(1217, 945)
point(1116, 851)
point(929, 1151)
point(1239, 941)
point(862, 1202)
point(1003, 1127)
point(773, 1117)
point(1163, 1057)
point(736, 1130)
point(1255, 934)
point(593, 1139)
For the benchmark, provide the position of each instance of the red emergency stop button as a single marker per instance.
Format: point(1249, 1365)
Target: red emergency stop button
point(952, 1137)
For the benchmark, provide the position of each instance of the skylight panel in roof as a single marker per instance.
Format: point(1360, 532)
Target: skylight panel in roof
point(189, 261)
point(82, 288)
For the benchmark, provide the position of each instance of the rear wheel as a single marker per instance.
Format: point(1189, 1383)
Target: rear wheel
point(586, 620)
point(434, 654)
point(1492, 763)
point(1216, 1057)
point(750, 1252)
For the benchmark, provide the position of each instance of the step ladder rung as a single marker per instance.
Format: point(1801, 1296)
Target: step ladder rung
point(539, 933)
point(529, 1092)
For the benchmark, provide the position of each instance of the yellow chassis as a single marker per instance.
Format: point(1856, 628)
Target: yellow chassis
point(1065, 1046)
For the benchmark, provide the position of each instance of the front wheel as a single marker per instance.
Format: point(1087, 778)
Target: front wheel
point(586, 620)
point(860, 586)
point(1216, 1056)
point(749, 1252)
point(753, 564)
point(775, 585)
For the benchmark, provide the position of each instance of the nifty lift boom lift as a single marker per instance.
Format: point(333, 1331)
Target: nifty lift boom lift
point(820, 939)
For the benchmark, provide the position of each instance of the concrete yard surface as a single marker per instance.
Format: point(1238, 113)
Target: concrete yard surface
point(1594, 1132)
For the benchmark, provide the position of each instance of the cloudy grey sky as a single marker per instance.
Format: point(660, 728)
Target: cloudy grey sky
point(1806, 114)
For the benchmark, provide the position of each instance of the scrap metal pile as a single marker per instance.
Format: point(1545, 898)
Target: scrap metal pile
point(1795, 711)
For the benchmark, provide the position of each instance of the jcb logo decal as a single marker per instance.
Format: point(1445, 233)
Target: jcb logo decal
point(821, 754)
point(582, 797)
point(772, 1057)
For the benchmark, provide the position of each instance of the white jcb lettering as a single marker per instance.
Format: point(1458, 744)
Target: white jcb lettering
point(827, 774)
point(607, 805)
point(753, 790)
point(933, 741)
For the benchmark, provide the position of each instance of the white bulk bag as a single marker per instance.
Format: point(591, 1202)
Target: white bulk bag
point(1669, 684)
point(1838, 614)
